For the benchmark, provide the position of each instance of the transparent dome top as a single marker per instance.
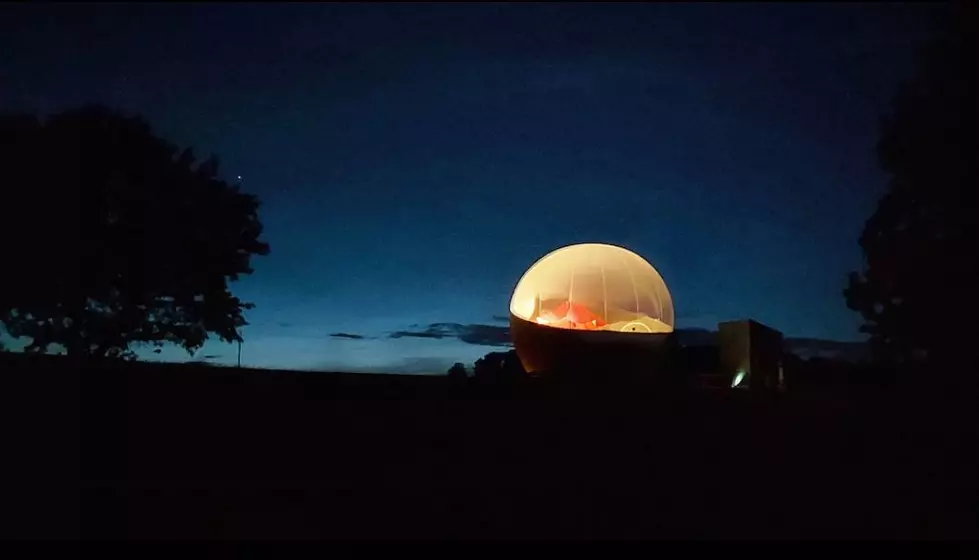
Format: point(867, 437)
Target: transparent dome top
point(594, 286)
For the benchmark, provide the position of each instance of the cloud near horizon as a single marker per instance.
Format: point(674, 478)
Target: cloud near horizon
point(349, 336)
point(481, 335)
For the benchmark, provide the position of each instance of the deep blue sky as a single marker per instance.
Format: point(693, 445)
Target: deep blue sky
point(414, 160)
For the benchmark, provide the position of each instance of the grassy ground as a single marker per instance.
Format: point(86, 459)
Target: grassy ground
point(190, 451)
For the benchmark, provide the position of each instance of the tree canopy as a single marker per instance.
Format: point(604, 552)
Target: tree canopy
point(919, 245)
point(114, 236)
point(501, 367)
point(457, 371)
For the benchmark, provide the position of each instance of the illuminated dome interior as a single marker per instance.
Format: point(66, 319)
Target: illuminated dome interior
point(593, 286)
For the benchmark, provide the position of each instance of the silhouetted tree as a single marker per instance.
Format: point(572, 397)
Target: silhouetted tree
point(457, 371)
point(499, 367)
point(113, 236)
point(919, 245)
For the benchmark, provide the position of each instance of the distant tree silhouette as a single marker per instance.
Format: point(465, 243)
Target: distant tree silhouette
point(919, 246)
point(113, 236)
point(499, 367)
point(457, 371)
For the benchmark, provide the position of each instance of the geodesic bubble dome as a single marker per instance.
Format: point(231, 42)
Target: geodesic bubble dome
point(594, 287)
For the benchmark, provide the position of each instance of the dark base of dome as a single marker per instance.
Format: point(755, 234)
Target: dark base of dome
point(589, 355)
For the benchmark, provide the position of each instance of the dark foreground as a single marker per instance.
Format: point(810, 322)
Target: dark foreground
point(151, 451)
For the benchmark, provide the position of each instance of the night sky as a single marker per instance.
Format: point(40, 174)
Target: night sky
point(414, 160)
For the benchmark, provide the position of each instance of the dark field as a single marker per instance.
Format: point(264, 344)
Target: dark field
point(190, 451)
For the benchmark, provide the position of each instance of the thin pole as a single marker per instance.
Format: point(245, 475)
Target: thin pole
point(571, 291)
point(239, 353)
point(604, 294)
